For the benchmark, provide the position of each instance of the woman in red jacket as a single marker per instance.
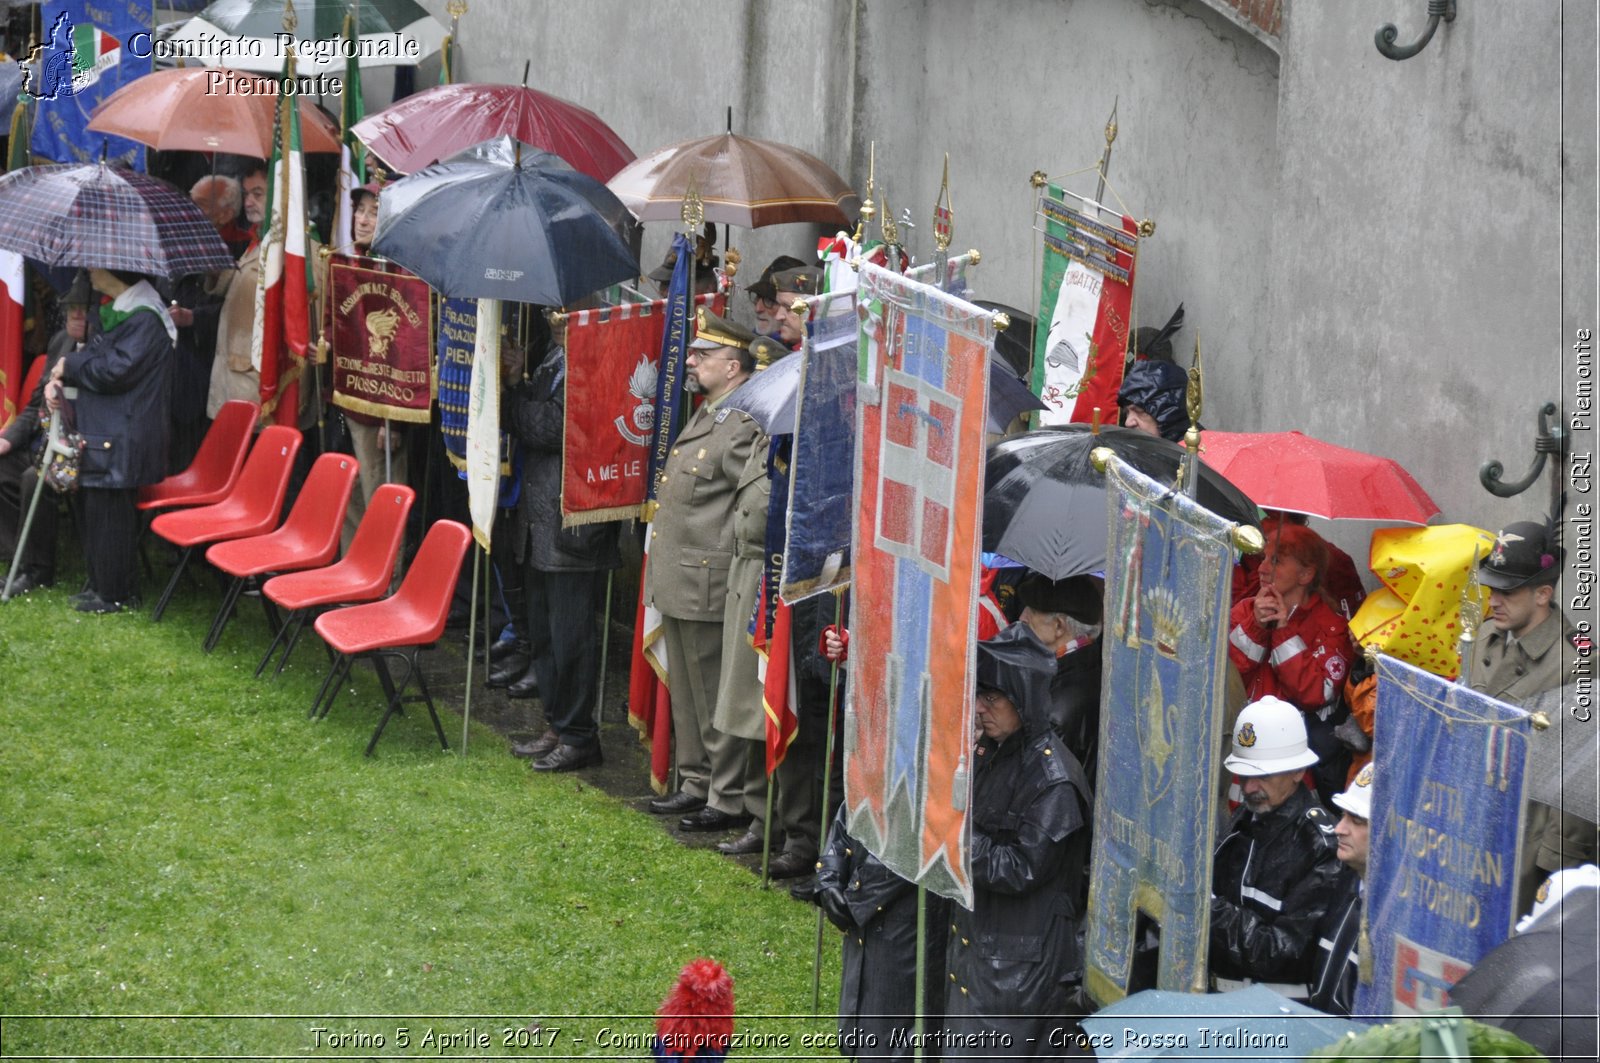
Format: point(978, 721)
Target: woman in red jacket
point(1288, 642)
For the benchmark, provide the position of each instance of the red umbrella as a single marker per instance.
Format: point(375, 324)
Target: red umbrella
point(1294, 472)
point(207, 109)
point(435, 124)
point(741, 180)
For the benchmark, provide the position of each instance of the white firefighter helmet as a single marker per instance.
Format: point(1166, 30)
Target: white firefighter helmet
point(1357, 800)
point(1269, 737)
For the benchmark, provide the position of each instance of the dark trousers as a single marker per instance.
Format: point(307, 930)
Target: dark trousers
point(17, 483)
point(109, 526)
point(564, 638)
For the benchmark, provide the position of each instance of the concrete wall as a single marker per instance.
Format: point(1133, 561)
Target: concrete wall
point(1370, 251)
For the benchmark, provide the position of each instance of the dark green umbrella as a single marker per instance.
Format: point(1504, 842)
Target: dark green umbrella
point(390, 33)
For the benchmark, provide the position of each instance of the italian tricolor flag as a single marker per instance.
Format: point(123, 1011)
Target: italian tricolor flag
point(282, 329)
point(11, 362)
point(94, 51)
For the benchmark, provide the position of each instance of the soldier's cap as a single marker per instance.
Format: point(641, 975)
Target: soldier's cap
point(767, 350)
point(1075, 596)
point(711, 332)
point(1357, 800)
point(1523, 556)
point(662, 274)
point(371, 188)
point(1554, 890)
point(802, 280)
point(81, 293)
point(763, 288)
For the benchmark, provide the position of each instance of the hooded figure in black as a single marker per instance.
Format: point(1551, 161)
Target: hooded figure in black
point(1011, 958)
point(1161, 390)
point(877, 910)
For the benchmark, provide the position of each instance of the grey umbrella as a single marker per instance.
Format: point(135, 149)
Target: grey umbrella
point(506, 221)
point(1248, 1024)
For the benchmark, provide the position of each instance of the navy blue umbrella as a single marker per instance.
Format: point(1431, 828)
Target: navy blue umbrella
point(506, 221)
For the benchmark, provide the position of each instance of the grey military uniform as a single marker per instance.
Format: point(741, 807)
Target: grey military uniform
point(1513, 672)
point(691, 551)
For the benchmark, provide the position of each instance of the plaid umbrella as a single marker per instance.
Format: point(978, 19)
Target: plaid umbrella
point(95, 216)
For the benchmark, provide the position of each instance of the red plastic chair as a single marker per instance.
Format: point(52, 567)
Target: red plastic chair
point(250, 508)
point(215, 468)
point(412, 617)
point(363, 575)
point(30, 380)
point(309, 537)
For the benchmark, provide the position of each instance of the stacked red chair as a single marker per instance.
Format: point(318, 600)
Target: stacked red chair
point(397, 627)
point(363, 575)
point(309, 537)
point(250, 508)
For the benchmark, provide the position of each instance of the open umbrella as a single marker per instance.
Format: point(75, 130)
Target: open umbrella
point(1294, 472)
point(741, 181)
point(1540, 984)
point(195, 109)
point(390, 33)
point(1247, 1024)
point(1045, 505)
point(439, 122)
point(94, 215)
point(506, 221)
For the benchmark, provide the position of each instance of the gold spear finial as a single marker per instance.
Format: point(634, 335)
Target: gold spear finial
point(455, 9)
point(693, 211)
point(1111, 123)
point(290, 19)
point(867, 207)
point(887, 226)
point(943, 211)
point(1196, 396)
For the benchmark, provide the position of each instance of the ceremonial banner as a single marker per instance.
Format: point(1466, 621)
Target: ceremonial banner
point(923, 389)
point(1441, 885)
point(959, 275)
point(458, 335)
point(13, 365)
point(484, 438)
point(1168, 582)
point(282, 327)
point(612, 356)
point(89, 51)
point(821, 502)
point(1087, 298)
point(676, 335)
point(381, 340)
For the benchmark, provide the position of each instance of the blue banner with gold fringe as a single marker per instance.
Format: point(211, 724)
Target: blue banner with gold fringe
point(1166, 628)
point(1448, 771)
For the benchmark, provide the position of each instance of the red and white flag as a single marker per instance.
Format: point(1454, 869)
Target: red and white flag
point(282, 329)
point(649, 702)
point(11, 358)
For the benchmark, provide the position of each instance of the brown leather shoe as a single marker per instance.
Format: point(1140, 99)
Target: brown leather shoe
point(745, 844)
point(538, 747)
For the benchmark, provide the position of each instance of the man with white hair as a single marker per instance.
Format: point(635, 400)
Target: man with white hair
point(1276, 871)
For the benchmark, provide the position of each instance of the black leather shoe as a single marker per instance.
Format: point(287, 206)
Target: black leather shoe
point(570, 758)
point(500, 649)
point(536, 749)
point(526, 687)
point(674, 804)
point(790, 865)
point(98, 604)
point(805, 890)
point(507, 671)
point(714, 819)
point(27, 581)
point(745, 844)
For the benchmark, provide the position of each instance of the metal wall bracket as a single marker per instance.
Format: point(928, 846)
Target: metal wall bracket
point(1387, 33)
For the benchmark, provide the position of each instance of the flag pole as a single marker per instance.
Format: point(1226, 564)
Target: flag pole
point(605, 645)
point(921, 982)
point(827, 786)
point(472, 638)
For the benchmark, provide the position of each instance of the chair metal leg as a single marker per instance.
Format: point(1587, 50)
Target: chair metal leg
point(396, 693)
point(280, 633)
point(172, 584)
point(230, 599)
point(294, 640)
point(392, 706)
point(427, 699)
point(329, 688)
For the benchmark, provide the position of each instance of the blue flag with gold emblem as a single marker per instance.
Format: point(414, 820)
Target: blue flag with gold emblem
point(89, 51)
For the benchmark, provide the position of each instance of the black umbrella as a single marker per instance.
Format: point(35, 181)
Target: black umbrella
point(1540, 984)
point(506, 221)
point(98, 216)
point(1014, 343)
point(1045, 505)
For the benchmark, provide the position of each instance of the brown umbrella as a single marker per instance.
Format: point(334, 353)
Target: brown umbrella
point(741, 180)
point(207, 109)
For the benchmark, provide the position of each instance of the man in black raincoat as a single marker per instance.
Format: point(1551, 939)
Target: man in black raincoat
point(1011, 957)
point(877, 910)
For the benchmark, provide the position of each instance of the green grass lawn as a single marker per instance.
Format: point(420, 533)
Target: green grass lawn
point(181, 846)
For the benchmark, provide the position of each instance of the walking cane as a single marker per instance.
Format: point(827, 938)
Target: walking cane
point(52, 446)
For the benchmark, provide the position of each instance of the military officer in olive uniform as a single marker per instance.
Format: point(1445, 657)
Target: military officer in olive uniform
point(690, 552)
point(1523, 649)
